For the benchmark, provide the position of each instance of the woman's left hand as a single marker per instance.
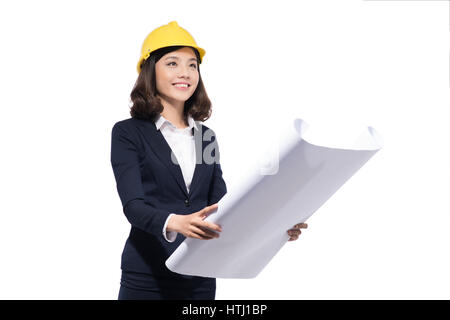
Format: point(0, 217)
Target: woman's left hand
point(295, 232)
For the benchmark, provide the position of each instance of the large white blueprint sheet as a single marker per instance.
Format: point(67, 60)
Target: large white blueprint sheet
point(256, 216)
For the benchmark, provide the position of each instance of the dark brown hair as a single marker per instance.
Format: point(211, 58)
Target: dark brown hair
point(146, 105)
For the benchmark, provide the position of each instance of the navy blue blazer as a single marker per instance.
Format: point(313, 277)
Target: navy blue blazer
point(151, 186)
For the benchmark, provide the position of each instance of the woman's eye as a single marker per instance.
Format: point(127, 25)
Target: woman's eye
point(193, 64)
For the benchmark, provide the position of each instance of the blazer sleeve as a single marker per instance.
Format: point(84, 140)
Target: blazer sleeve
point(126, 168)
point(218, 187)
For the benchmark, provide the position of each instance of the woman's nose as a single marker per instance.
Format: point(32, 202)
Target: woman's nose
point(183, 71)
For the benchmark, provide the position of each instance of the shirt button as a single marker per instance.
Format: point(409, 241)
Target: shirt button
point(186, 202)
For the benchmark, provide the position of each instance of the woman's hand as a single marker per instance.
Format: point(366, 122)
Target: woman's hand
point(295, 231)
point(194, 226)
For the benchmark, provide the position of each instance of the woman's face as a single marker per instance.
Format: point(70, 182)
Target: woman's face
point(180, 67)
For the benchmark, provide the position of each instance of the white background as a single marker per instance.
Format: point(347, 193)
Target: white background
point(67, 69)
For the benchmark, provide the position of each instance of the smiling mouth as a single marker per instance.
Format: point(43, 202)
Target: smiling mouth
point(181, 85)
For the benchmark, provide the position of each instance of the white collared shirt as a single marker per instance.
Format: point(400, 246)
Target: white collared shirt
point(182, 143)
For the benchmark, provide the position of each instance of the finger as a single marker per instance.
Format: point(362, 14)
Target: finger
point(294, 232)
point(210, 225)
point(193, 235)
point(197, 236)
point(207, 210)
point(204, 233)
point(300, 225)
point(209, 232)
point(212, 207)
point(206, 224)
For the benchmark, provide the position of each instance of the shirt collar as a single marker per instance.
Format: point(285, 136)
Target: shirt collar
point(160, 120)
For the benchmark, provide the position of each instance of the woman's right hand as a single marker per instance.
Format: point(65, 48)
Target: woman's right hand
point(193, 225)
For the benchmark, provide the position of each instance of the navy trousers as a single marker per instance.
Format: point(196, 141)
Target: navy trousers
point(142, 286)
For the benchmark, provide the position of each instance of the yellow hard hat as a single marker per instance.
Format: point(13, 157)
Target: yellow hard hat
point(170, 34)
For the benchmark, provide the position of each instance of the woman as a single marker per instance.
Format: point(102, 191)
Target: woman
point(167, 169)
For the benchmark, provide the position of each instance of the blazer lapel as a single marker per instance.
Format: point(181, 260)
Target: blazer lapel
point(200, 166)
point(163, 151)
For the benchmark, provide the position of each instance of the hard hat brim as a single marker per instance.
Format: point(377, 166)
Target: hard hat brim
point(144, 57)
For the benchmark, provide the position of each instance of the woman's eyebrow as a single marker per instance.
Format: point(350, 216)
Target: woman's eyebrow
point(178, 58)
